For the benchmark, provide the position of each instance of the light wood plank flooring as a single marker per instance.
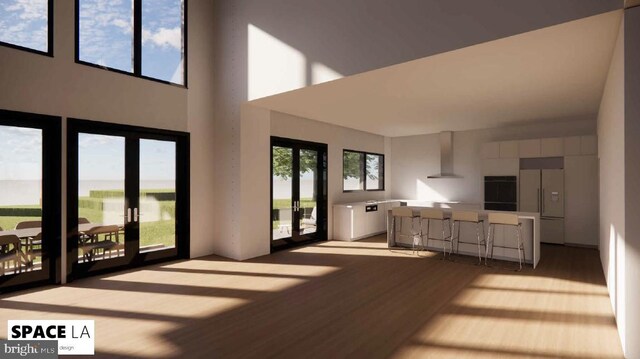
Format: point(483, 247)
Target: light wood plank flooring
point(341, 300)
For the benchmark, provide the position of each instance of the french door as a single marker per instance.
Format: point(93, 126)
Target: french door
point(29, 199)
point(127, 196)
point(298, 192)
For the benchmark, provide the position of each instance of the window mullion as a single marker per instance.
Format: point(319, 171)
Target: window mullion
point(137, 37)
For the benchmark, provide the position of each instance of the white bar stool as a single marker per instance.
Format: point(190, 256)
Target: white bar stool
point(436, 215)
point(402, 213)
point(468, 217)
point(505, 219)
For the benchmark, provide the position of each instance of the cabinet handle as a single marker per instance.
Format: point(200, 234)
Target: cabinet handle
point(542, 200)
point(539, 201)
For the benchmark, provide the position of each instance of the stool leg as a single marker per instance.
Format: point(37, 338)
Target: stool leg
point(478, 237)
point(421, 235)
point(444, 242)
point(428, 225)
point(453, 238)
point(489, 241)
point(520, 247)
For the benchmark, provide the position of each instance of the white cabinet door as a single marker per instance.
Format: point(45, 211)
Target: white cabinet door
point(501, 167)
point(491, 150)
point(529, 148)
point(581, 188)
point(588, 145)
point(572, 146)
point(509, 149)
point(552, 147)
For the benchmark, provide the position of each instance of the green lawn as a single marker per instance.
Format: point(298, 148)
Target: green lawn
point(151, 233)
point(9, 222)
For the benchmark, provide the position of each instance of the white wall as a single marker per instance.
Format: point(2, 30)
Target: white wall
point(612, 169)
point(631, 332)
point(200, 116)
point(416, 157)
point(337, 138)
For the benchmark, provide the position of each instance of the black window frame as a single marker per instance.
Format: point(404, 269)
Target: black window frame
point(137, 45)
point(363, 171)
point(49, 51)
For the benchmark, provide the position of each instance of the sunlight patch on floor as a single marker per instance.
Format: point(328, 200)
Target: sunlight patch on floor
point(251, 267)
point(228, 281)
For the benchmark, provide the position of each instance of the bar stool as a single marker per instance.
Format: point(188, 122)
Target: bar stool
point(436, 215)
point(505, 219)
point(468, 217)
point(402, 213)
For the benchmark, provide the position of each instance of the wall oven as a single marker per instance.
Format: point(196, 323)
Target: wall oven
point(501, 193)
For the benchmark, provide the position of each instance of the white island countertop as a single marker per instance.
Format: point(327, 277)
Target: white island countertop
point(413, 202)
point(367, 203)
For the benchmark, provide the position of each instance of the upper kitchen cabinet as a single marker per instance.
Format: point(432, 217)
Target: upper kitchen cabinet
point(529, 148)
point(572, 146)
point(552, 147)
point(491, 150)
point(588, 145)
point(509, 149)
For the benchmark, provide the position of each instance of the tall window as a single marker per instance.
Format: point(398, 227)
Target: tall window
point(362, 171)
point(145, 38)
point(27, 25)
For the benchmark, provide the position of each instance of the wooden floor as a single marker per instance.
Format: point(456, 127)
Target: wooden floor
point(341, 300)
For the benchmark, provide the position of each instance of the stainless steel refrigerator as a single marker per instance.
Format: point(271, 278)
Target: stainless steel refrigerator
point(542, 191)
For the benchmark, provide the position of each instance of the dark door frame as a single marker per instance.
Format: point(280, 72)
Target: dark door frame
point(132, 135)
point(51, 197)
point(321, 190)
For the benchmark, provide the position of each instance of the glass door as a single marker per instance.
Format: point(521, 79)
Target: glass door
point(29, 199)
point(128, 196)
point(299, 194)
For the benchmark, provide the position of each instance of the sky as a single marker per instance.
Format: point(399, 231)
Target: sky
point(100, 157)
point(20, 153)
point(24, 23)
point(106, 33)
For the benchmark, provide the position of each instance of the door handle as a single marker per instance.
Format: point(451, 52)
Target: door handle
point(128, 215)
point(135, 215)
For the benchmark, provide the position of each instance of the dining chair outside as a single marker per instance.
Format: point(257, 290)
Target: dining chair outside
point(93, 242)
point(29, 224)
point(34, 248)
point(10, 255)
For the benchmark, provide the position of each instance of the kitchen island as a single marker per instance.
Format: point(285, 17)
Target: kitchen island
point(503, 234)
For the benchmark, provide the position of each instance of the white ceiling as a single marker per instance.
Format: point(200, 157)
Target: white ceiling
point(555, 73)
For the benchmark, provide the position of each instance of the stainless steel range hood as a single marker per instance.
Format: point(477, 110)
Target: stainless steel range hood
point(446, 156)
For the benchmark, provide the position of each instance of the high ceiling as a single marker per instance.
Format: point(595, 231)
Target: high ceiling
point(555, 73)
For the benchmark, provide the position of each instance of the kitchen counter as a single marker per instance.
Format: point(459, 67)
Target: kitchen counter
point(365, 203)
point(530, 235)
